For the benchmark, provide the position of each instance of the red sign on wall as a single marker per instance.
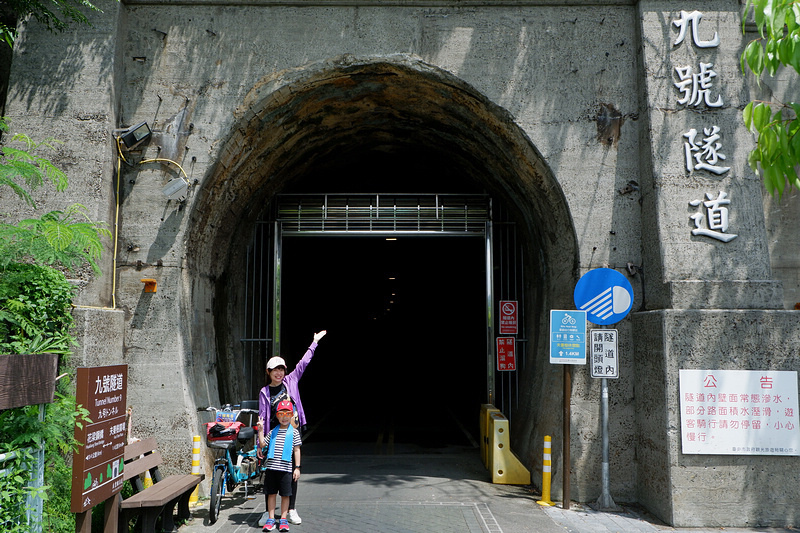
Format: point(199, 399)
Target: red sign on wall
point(506, 358)
point(508, 317)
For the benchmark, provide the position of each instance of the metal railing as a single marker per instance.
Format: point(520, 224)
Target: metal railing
point(33, 503)
point(396, 214)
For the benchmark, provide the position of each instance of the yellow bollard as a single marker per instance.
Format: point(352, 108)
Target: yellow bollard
point(193, 499)
point(546, 472)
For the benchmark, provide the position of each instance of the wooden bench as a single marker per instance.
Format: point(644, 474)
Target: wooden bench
point(160, 498)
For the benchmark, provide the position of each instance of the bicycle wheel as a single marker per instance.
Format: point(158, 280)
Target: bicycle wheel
point(216, 495)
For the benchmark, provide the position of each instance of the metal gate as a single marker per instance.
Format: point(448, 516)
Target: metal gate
point(355, 215)
point(507, 257)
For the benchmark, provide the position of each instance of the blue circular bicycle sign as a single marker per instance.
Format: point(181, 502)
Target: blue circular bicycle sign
point(605, 295)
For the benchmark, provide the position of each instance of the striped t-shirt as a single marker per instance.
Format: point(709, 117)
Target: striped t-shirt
point(276, 463)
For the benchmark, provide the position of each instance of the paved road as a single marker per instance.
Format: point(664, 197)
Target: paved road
point(415, 493)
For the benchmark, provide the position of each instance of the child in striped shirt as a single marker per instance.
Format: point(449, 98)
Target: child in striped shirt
point(281, 443)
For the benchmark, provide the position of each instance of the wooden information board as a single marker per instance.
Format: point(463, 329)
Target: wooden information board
point(98, 462)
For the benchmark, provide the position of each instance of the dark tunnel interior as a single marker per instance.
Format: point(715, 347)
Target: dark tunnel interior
point(403, 366)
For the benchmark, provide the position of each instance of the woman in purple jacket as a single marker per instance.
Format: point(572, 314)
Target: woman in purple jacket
point(282, 386)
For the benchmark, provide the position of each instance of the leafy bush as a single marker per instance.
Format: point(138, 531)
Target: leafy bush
point(35, 305)
point(62, 237)
point(21, 429)
point(776, 124)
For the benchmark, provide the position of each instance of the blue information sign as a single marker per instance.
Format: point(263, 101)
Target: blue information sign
point(605, 295)
point(568, 337)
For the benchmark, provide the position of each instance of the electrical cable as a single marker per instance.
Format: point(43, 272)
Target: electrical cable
point(120, 159)
point(185, 177)
point(116, 239)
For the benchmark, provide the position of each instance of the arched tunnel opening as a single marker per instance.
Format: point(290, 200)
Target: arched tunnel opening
point(388, 127)
point(402, 369)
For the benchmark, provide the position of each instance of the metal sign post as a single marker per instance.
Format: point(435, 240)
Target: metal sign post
point(567, 347)
point(604, 363)
point(607, 297)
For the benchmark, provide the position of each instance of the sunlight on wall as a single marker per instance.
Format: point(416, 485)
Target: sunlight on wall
point(454, 51)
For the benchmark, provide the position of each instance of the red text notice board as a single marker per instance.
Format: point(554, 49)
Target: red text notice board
point(739, 412)
point(506, 358)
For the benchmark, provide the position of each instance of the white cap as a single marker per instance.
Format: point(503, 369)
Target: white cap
point(275, 362)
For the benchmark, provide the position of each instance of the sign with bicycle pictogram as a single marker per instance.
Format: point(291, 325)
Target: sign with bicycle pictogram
point(568, 337)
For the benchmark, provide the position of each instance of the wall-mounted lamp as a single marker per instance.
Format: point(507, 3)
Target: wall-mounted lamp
point(149, 284)
point(176, 188)
point(133, 137)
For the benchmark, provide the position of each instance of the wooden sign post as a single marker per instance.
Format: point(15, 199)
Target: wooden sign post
point(97, 464)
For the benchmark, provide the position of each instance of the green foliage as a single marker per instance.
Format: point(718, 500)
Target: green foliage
point(24, 165)
point(776, 124)
point(35, 305)
point(21, 429)
point(68, 238)
point(14, 491)
point(55, 15)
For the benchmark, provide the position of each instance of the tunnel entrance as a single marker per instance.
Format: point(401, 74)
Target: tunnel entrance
point(400, 282)
point(405, 354)
point(373, 125)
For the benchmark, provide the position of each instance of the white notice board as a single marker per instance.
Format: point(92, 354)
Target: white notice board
point(604, 353)
point(739, 412)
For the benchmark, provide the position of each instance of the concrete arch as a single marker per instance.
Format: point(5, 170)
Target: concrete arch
point(296, 121)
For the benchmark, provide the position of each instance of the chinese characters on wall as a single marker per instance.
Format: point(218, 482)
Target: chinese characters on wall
point(702, 146)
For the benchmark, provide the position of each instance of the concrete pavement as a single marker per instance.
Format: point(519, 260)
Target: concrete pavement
point(413, 493)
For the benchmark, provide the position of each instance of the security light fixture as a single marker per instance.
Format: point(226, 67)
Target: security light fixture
point(175, 189)
point(135, 135)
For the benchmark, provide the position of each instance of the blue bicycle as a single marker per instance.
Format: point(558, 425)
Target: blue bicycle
point(233, 437)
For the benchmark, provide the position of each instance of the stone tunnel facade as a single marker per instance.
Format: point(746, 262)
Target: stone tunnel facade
point(578, 118)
